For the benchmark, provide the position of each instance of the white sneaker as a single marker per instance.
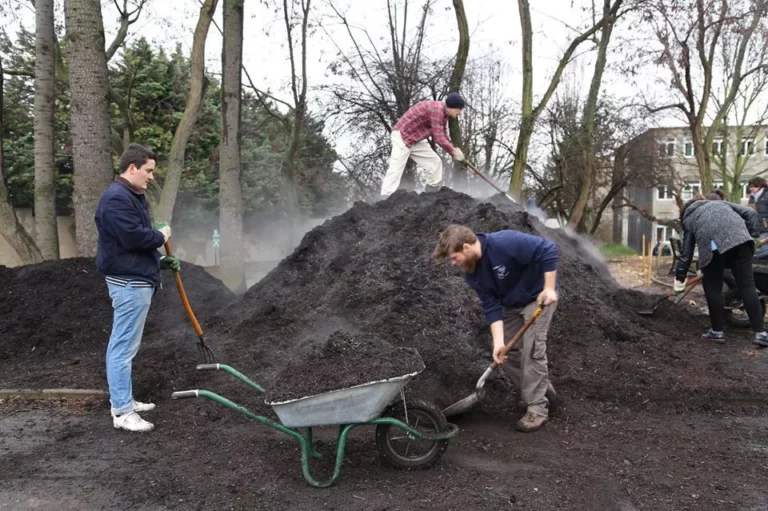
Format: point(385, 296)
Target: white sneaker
point(138, 406)
point(132, 422)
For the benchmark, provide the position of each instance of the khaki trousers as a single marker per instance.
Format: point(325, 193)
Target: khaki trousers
point(526, 364)
point(421, 153)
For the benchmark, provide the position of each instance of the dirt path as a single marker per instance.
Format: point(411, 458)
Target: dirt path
point(611, 458)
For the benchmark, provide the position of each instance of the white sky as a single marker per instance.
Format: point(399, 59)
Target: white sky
point(494, 27)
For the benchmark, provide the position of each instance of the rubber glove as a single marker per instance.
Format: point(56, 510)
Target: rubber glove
point(170, 263)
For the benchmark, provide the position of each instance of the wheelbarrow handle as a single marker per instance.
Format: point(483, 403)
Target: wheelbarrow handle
point(184, 394)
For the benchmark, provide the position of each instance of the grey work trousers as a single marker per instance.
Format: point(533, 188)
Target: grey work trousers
point(526, 364)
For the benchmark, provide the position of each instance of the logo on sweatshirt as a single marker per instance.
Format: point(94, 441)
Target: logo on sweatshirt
point(501, 271)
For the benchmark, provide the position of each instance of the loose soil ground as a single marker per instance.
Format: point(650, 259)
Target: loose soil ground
point(651, 416)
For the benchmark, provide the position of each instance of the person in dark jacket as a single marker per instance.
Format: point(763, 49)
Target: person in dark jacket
point(127, 256)
point(724, 234)
point(513, 273)
point(758, 200)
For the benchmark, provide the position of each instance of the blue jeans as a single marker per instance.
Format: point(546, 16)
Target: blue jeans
point(131, 305)
point(762, 252)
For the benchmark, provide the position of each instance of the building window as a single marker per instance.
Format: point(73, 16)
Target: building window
point(718, 147)
point(664, 193)
point(688, 149)
point(667, 146)
point(690, 189)
point(766, 145)
point(661, 233)
point(747, 146)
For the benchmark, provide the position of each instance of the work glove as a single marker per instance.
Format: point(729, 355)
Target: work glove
point(458, 155)
point(678, 287)
point(164, 229)
point(170, 263)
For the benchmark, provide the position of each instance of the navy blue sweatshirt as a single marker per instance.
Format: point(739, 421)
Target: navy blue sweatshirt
point(511, 270)
point(127, 245)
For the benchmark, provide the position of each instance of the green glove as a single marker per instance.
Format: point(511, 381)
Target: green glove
point(164, 228)
point(170, 263)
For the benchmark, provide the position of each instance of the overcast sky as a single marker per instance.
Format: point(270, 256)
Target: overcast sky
point(494, 27)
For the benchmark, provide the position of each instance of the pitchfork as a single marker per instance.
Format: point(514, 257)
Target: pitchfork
point(205, 351)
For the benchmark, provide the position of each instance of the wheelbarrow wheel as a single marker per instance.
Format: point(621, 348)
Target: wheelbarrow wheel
point(401, 449)
point(734, 309)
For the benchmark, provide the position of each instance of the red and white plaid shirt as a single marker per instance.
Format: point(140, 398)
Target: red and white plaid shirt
point(422, 120)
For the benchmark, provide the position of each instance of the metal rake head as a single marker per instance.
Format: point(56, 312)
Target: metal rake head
point(206, 353)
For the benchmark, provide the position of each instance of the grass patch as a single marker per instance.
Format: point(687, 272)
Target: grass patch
point(613, 249)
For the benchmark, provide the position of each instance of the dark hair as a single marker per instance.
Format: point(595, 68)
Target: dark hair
point(135, 154)
point(716, 195)
point(686, 205)
point(758, 181)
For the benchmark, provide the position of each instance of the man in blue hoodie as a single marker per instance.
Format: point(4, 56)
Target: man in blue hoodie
point(127, 256)
point(513, 273)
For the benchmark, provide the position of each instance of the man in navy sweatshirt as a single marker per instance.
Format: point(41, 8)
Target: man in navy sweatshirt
point(513, 273)
point(127, 256)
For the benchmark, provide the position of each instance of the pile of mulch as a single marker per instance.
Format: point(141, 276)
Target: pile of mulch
point(344, 360)
point(56, 318)
point(370, 270)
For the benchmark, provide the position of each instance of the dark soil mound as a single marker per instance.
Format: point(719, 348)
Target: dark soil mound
point(56, 317)
point(369, 271)
point(343, 361)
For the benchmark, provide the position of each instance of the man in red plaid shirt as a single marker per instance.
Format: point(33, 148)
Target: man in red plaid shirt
point(409, 140)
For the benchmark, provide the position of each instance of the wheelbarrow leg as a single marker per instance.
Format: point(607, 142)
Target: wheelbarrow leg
point(341, 445)
point(311, 445)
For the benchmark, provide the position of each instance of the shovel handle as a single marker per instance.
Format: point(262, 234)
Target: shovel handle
point(183, 295)
point(485, 178)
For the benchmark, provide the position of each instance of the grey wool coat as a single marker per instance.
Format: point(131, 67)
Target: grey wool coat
point(728, 225)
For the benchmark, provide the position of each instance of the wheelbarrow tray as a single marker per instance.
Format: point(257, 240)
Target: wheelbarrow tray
point(353, 405)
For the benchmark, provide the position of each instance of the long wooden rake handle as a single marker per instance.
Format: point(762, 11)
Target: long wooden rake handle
point(183, 296)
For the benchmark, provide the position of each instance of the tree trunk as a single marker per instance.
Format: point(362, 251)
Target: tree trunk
point(454, 85)
point(588, 119)
point(91, 130)
point(230, 191)
point(10, 227)
point(46, 231)
point(529, 113)
point(189, 118)
point(300, 102)
point(527, 120)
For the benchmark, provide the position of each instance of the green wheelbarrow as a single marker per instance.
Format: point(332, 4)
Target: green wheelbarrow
point(410, 433)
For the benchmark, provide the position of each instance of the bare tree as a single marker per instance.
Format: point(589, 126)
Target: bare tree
point(690, 33)
point(10, 227)
point(590, 110)
point(91, 132)
point(46, 230)
point(299, 91)
point(197, 87)
point(230, 189)
point(454, 84)
point(386, 82)
point(530, 113)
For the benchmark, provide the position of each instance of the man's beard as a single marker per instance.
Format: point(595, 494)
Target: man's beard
point(470, 264)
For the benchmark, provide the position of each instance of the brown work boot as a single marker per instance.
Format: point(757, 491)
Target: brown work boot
point(551, 393)
point(531, 422)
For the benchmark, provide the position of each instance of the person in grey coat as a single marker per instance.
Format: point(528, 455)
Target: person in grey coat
point(724, 233)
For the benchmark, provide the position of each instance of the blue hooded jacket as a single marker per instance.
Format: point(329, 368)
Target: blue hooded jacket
point(511, 270)
point(127, 246)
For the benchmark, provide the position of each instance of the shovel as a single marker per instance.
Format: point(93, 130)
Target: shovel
point(470, 401)
point(205, 351)
point(485, 178)
point(669, 294)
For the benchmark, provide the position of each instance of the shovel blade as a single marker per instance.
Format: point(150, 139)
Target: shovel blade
point(462, 406)
point(647, 312)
